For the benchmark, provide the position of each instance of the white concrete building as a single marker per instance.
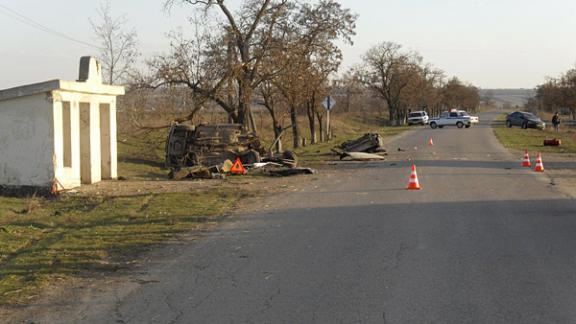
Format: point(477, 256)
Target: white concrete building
point(59, 132)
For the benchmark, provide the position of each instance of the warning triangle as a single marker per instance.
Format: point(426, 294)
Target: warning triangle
point(237, 168)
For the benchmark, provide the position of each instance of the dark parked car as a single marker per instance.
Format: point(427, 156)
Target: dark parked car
point(524, 120)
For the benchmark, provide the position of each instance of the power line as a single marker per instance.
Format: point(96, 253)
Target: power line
point(30, 22)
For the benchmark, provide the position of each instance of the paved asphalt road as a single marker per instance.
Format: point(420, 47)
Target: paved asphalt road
point(484, 242)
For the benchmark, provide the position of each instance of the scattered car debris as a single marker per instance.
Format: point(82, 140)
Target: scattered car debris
point(552, 142)
point(196, 172)
point(226, 166)
point(287, 158)
point(359, 156)
point(287, 172)
point(263, 164)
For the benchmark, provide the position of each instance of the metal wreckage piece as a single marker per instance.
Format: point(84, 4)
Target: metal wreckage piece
point(362, 148)
point(368, 143)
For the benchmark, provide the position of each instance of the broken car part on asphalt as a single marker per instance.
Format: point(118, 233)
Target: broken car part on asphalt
point(359, 156)
point(361, 149)
point(368, 143)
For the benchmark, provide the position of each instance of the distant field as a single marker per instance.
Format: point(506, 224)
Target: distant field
point(508, 97)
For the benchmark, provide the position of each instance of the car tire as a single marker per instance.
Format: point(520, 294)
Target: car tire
point(250, 157)
point(459, 124)
point(508, 124)
point(289, 155)
point(433, 125)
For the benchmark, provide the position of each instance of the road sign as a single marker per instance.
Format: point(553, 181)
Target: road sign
point(329, 103)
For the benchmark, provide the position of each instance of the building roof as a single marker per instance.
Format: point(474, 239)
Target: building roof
point(71, 86)
point(90, 83)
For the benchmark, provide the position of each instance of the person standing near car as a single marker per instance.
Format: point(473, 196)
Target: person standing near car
point(556, 122)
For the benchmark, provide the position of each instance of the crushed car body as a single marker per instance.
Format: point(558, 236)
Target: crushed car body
point(206, 151)
point(209, 145)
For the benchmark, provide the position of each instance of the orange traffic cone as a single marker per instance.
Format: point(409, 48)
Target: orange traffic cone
point(430, 142)
point(54, 188)
point(237, 168)
point(413, 183)
point(539, 164)
point(526, 161)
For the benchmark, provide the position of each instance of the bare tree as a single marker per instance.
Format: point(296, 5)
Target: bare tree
point(119, 46)
point(303, 55)
point(558, 93)
point(459, 95)
point(250, 31)
point(389, 72)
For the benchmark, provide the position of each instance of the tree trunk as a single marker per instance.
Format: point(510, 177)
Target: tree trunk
point(392, 115)
point(244, 102)
point(277, 128)
point(241, 110)
point(295, 130)
point(320, 118)
point(312, 122)
point(277, 133)
point(251, 122)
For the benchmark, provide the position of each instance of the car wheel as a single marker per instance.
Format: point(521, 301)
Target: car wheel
point(433, 125)
point(524, 125)
point(292, 157)
point(250, 157)
point(508, 124)
point(459, 124)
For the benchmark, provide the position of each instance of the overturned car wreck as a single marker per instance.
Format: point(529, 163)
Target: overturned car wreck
point(208, 145)
point(214, 145)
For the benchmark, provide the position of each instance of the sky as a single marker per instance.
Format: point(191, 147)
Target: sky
point(488, 43)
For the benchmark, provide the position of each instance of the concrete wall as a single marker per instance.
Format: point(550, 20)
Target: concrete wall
point(93, 132)
point(59, 131)
point(67, 172)
point(26, 141)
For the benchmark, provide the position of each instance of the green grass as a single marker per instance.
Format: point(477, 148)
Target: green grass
point(519, 139)
point(142, 156)
point(45, 240)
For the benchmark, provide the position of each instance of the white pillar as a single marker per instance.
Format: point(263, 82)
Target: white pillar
point(95, 149)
